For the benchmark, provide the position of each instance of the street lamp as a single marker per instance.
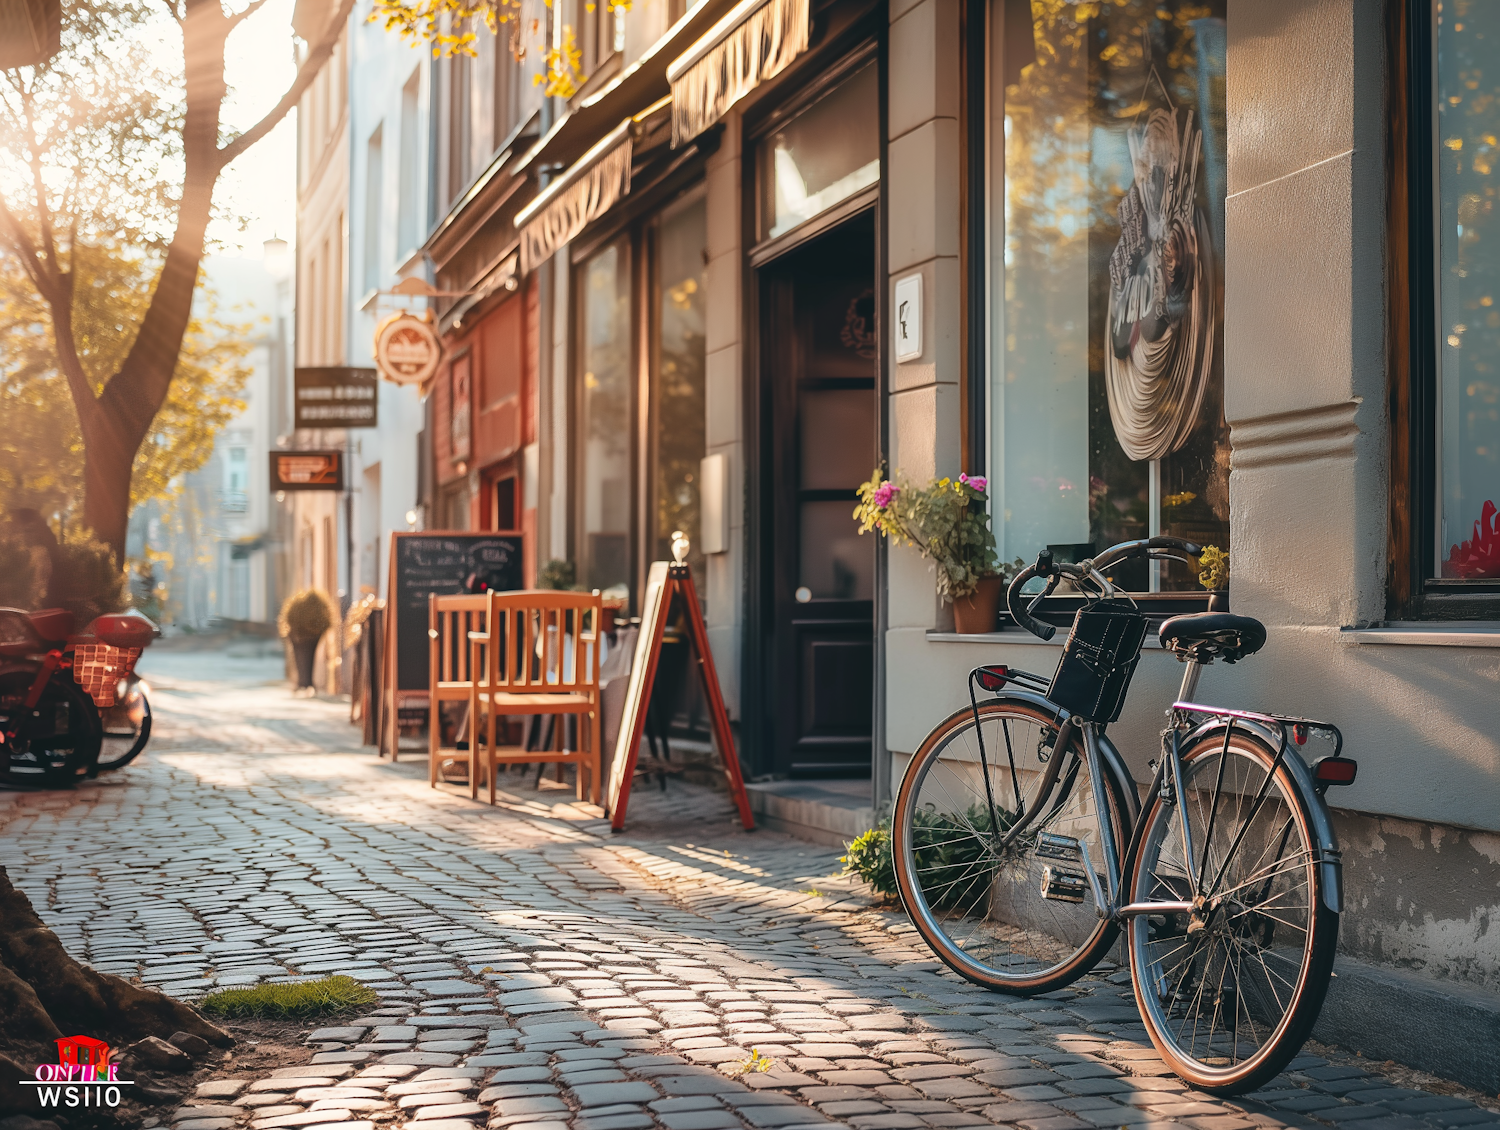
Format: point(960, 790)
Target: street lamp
point(278, 258)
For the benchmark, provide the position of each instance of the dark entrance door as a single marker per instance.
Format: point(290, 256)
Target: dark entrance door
point(819, 427)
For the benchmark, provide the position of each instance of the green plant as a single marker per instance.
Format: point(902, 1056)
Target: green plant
point(946, 520)
point(305, 616)
point(23, 573)
point(1213, 568)
point(757, 1063)
point(947, 848)
point(294, 1000)
point(557, 574)
point(869, 857)
point(85, 578)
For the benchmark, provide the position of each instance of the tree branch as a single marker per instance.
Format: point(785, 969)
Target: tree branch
point(24, 249)
point(305, 74)
point(240, 17)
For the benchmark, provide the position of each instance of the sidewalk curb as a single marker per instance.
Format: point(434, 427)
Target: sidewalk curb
point(1450, 1029)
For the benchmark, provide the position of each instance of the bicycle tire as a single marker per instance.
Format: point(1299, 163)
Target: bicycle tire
point(141, 737)
point(1238, 938)
point(1019, 944)
point(52, 757)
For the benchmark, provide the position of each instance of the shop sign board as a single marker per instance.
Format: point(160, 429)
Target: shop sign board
point(407, 349)
point(336, 396)
point(307, 470)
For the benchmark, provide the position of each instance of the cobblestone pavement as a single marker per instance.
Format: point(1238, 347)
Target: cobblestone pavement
point(536, 973)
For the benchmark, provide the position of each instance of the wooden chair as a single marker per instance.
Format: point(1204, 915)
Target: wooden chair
point(450, 676)
point(538, 654)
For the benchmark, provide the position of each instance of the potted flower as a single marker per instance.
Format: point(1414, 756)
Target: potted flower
point(948, 523)
point(304, 618)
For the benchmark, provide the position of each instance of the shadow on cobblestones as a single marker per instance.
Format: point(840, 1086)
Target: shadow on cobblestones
point(536, 972)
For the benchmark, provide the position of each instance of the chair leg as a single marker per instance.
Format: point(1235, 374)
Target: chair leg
point(596, 754)
point(492, 767)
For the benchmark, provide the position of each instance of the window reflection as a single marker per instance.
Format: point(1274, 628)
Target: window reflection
point(1468, 82)
point(679, 433)
point(604, 421)
point(826, 154)
point(1107, 389)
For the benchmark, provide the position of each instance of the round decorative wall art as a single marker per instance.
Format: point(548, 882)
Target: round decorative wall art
point(1162, 292)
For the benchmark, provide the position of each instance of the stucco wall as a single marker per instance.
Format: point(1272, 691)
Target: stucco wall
point(1305, 398)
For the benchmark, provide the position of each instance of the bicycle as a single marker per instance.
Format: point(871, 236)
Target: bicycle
point(1022, 848)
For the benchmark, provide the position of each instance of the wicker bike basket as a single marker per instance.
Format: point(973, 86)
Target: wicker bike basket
point(1098, 660)
point(98, 669)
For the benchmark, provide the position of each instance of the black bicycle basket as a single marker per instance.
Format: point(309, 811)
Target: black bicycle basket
point(1098, 660)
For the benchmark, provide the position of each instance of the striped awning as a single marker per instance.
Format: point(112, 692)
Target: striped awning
point(581, 195)
point(755, 42)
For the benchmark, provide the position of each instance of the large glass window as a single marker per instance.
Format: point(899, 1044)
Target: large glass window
point(678, 435)
point(1467, 155)
point(1107, 206)
point(604, 417)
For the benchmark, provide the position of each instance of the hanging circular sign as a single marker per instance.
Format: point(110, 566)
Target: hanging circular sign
point(407, 349)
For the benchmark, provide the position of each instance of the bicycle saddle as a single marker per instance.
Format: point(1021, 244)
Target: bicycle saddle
point(1206, 636)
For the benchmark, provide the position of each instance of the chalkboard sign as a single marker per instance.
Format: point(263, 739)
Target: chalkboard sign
point(441, 562)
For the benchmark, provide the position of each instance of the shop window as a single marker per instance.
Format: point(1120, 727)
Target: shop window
point(827, 153)
point(678, 404)
point(1445, 526)
point(604, 420)
point(1106, 233)
point(1468, 246)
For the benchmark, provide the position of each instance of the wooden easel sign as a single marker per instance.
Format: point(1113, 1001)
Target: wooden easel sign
point(666, 580)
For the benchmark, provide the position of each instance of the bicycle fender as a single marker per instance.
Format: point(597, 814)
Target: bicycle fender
point(1329, 856)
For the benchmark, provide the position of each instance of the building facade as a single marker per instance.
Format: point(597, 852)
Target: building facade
point(1213, 270)
point(315, 525)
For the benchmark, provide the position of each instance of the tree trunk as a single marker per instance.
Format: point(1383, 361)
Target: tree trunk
point(45, 994)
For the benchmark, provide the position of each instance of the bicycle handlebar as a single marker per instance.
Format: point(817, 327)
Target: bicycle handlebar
point(1086, 573)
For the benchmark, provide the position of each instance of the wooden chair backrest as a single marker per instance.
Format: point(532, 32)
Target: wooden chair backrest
point(544, 642)
point(450, 619)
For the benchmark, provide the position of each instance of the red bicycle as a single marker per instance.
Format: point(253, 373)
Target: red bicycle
point(71, 705)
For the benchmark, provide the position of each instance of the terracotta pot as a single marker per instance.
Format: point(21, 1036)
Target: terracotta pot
point(303, 651)
point(980, 610)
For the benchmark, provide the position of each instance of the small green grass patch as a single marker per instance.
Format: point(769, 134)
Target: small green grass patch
point(282, 1000)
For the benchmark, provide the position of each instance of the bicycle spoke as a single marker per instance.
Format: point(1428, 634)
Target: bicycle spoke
point(1226, 977)
point(981, 903)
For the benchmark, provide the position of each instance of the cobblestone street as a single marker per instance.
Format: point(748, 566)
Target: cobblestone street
point(537, 973)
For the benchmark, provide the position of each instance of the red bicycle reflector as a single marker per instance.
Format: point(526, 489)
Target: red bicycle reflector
point(1299, 733)
point(1335, 771)
point(993, 678)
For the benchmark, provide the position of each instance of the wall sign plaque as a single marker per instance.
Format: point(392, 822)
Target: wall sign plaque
point(407, 349)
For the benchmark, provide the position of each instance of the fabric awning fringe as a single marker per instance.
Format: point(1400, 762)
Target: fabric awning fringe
point(754, 43)
point(583, 194)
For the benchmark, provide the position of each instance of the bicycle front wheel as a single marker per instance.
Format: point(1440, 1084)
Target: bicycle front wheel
point(1015, 916)
point(1230, 991)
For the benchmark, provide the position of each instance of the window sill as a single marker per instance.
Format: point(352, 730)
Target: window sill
point(1478, 634)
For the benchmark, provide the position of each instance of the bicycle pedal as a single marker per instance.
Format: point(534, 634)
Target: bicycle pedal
point(1051, 845)
point(1063, 884)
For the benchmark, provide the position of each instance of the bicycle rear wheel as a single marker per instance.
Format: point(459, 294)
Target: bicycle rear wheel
point(1230, 992)
point(977, 901)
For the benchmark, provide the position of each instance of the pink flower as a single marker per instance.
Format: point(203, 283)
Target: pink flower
point(975, 482)
point(885, 493)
